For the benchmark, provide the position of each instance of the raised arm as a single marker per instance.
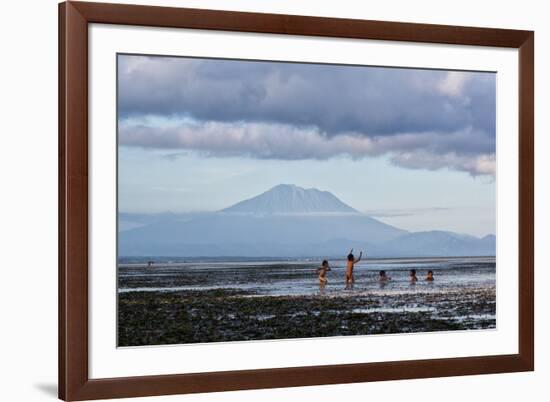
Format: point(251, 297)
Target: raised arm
point(359, 259)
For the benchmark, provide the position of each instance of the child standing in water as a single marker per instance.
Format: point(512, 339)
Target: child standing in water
point(382, 277)
point(350, 280)
point(430, 276)
point(322, 271)
point(412, 276)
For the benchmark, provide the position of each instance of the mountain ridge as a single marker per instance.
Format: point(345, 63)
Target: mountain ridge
point(289, 198)
point(287, 221)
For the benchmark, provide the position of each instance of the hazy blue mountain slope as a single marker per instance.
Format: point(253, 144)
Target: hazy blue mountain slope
point(437, 243)
point(245, 234)
point(286, 221)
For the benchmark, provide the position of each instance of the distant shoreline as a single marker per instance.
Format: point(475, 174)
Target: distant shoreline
point(305, 260)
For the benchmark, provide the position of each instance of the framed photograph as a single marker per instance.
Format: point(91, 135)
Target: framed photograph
point(259, 200)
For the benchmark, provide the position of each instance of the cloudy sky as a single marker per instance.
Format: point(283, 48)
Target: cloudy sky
point(414, 148)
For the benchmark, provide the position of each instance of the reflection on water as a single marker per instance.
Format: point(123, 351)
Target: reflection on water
point(300, 278)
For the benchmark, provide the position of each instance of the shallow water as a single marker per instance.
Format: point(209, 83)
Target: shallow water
point(282, 278)
point(214, 301)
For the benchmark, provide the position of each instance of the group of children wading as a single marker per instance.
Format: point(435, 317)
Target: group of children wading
point(350, 279)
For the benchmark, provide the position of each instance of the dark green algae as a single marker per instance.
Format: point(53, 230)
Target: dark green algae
point(222, 315)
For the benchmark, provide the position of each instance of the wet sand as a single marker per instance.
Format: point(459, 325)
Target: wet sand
point(232, 314)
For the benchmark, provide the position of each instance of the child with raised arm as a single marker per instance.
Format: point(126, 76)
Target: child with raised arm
point(350, 279)
point(322, 271)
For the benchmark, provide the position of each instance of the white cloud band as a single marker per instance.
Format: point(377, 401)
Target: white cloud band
point(287, 142)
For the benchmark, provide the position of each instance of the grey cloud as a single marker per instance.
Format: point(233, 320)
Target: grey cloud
point(392, 213)
point(482, 164)
point(279, 141)
point(334, 99)
point(421, 119)
point(259, 140)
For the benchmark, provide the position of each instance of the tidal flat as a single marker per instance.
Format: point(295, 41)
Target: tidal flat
point(179, 302)
point(222, 315)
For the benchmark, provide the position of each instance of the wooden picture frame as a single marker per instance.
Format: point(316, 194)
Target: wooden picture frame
point(74, 381)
